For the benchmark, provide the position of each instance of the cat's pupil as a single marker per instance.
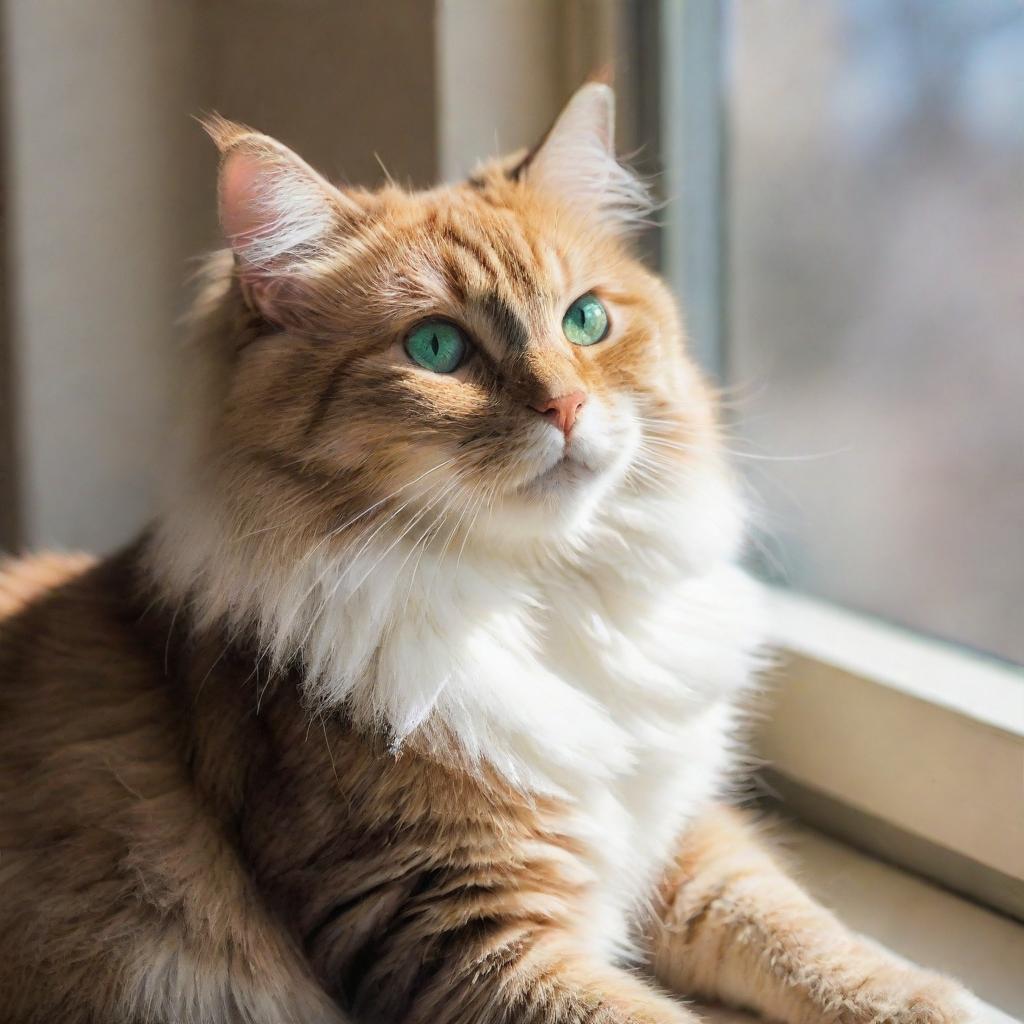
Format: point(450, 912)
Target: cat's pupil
point(435, 345)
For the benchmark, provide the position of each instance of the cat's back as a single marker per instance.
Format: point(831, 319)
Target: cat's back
point(79, 663)
point(25, 581)
point(78, 681)
point(49, 604)
point(66, 627)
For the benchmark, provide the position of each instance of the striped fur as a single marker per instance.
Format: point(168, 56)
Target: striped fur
point(408, 708)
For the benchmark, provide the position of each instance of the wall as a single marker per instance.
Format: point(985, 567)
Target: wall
point(501, 79)
point(101, 197)
point(110, 191)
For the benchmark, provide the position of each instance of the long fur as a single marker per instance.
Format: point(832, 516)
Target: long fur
point(408, 706)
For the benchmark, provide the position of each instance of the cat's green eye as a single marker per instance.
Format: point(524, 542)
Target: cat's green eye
point(436, 345)
point(586, 321)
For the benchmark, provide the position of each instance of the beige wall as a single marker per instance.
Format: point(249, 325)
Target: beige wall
point(109, 187)
point(103, 202)
point(340, 80)
point(500, 79)
point(505, 67)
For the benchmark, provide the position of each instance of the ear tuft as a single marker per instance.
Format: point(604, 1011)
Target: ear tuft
point(576, 160)
point(223, 132)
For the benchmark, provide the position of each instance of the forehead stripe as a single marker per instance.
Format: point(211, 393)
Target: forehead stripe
point(452, 278)
point(514, 265)
point(477, 252)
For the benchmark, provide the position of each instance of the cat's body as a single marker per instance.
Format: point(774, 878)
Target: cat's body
point(424, 724)
point(166, 798)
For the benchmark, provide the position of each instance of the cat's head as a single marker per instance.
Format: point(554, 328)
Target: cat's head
point(487, 358)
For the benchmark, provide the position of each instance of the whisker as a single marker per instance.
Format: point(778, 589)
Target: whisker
point(328, 597)
point(285, 628)
point(424, 539)
point(365, 511)
point(448, 486)
point(754, 456)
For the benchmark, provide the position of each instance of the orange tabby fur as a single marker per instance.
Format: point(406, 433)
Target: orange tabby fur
point(190, 831)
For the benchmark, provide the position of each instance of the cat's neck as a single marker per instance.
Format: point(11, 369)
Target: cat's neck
point(508, 656)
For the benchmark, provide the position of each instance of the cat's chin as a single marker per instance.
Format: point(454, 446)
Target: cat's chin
point(560, 481)
point(555, 503)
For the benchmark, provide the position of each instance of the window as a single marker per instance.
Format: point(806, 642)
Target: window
point(848, 235)
point(875, 270)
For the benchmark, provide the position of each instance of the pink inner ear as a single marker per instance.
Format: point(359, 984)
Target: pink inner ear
point(276, 212)
point(244, 217)
point(244, 212)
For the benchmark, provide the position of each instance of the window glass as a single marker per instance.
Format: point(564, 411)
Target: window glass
point(875, 275)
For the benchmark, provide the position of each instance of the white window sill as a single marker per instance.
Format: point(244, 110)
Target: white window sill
point(902, 745)
point(915, 919)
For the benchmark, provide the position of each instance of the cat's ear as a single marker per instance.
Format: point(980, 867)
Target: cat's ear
point(576, 161)
point(277, 214)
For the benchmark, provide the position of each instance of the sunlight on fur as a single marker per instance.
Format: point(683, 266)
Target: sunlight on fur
point(419, 700)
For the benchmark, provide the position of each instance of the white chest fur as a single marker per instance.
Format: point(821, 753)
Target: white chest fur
point(669, 677)
point(608, 676)
point(631, 825)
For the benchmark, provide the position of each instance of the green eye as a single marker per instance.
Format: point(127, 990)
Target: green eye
point(436, 345)
point(585, 321)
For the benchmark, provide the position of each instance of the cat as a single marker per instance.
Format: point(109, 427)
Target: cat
point(421, 700)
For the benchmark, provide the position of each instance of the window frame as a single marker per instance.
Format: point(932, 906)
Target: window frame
point(887, 785)
point(900, 744)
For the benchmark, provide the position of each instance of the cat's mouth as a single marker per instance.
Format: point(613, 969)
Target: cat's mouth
point(566, 472)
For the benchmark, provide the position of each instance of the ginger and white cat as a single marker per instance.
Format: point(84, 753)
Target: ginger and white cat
point(419, 699)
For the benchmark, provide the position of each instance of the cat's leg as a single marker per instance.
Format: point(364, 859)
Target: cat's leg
point(524, 978)
point(734, 927)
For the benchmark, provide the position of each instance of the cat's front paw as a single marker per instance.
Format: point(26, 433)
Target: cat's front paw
point(901, 995)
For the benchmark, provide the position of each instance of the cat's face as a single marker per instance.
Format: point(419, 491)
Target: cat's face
point(485, 356)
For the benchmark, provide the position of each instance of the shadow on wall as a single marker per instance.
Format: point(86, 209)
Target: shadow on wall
point(110, 193)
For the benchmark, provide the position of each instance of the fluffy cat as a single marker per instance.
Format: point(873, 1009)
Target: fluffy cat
point(418, 702)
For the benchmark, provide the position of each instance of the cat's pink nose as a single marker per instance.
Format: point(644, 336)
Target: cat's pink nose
point(563, 410)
